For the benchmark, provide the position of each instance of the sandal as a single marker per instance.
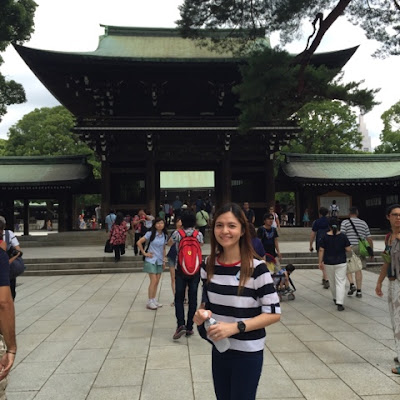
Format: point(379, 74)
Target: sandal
point(396, 359)
point(396, 370)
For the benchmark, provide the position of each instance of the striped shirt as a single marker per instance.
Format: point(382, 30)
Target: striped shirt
point(348, 230)
point(258, 296)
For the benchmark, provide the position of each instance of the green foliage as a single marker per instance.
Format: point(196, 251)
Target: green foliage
point(328, 127)
point(390, 136)
point(380, 19)
point(269, 89)
point(47, 132)
point(16, 26)
point(2, 146)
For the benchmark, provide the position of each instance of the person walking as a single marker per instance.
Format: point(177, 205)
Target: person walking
point(202, 220)
point(182, 281)
point(355, 228)
point(391, 269)
point(109, 220)
point(118, 236)
point(8, 344)
point(332, 258)
point(238, 292)
point(275, 223)
point(249, 213)
point(318, 230)
point(269, 236)
point(11, 241)
point(154, 261)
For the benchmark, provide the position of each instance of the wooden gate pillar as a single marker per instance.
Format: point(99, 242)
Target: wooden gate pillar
point(269, 181)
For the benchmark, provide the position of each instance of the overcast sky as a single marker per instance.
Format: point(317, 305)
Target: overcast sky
point(75, 26)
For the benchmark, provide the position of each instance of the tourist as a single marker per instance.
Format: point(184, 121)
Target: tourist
point(269, 236)
point(333, 209)
point(182, 281)
point(306, 218)
point(168, 212)
point(118, 236)
point(318, 230)
point(332, 259)
point(11, 240)
point(256, 242)
point(290, 213)
point(249, 213)
point(391, 269)
point(275, 223)
point(171, 258)
point(355, 228)
point(154, 261)
point(109, 220)
point(8, 344)
point(239, 293)
point(202, 220)
point(97, 211)
point(176, 206)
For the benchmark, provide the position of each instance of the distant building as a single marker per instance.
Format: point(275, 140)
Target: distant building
point(366, 139)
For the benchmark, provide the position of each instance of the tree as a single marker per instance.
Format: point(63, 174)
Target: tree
point(243, 20)
point(390, 136)
point(2, 147)
point(269, 94)
point(328, 127)
point(47, 132)
point(16, 26)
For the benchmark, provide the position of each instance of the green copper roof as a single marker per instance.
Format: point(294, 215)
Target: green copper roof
point(41, 170)
point(339, 167)
point(153, 43)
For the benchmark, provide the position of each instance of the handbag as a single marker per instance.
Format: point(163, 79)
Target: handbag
point(108, 248)
point(354, 264)
point(17, 267)
point(363, 245)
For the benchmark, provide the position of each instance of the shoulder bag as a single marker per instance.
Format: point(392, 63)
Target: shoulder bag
point(363, 245)
point(354, 263)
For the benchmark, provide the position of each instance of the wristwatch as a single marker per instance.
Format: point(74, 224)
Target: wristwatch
point(241, 326)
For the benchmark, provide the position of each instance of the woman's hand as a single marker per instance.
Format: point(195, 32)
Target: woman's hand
point(148, 255)
point(321, 266)
point(222, 330)
point(201, 315)
point(378, 289)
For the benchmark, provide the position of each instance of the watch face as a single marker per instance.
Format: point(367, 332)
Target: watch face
point(241, 326)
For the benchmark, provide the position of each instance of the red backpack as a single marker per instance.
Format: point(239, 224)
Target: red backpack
point(189, 253)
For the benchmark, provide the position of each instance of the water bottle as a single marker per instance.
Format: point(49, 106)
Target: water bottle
point(221, 345)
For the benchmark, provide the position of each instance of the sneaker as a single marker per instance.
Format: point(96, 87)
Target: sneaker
point(326, 285)
point(351, 290)
point(340, 307)
point(358, 294)
point(179, 332)
point(159, 305)
point(189, 332)
point(151, 305)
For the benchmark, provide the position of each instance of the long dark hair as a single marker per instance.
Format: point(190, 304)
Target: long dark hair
point(247, 252)
point(334, 224)
point(154, 230)
point(119, 218)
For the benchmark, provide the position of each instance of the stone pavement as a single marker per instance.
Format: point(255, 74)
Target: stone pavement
point(90, 337)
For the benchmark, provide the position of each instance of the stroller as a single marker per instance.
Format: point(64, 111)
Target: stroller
point(281, 277)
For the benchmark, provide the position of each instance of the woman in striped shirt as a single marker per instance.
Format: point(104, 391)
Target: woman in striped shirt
point(238, 292)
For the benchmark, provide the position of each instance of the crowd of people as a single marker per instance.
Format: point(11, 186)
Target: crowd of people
point(240, 293)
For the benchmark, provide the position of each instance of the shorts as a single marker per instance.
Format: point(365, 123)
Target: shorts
point(171, 263)
point(152, 268)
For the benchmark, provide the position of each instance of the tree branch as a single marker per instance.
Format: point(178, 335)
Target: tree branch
point(304, 58)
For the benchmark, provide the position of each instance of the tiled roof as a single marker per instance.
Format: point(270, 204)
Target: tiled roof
point(341, 167)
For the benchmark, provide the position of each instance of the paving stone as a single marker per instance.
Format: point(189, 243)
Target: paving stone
point(21, 395)
point(303, 366)
point(365, 379)
point(154, 385)
point(129, 347)
point(309, 333)
point(201, 368)
point(333, 352)
point(96, 340)
point(357, 340)
point(168, 357)
point(284, 342)
point(121, 372)
point(50, 351)
point(115, 393)
point(30, 376)
point(82, 361)
point(326, 389)
point(76, 385)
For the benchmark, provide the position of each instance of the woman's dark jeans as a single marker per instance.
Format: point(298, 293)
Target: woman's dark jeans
point(181, 281)
point(236, 374)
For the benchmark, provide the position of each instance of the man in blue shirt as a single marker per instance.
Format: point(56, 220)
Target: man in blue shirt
point(110, 219)
point(318, 230)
